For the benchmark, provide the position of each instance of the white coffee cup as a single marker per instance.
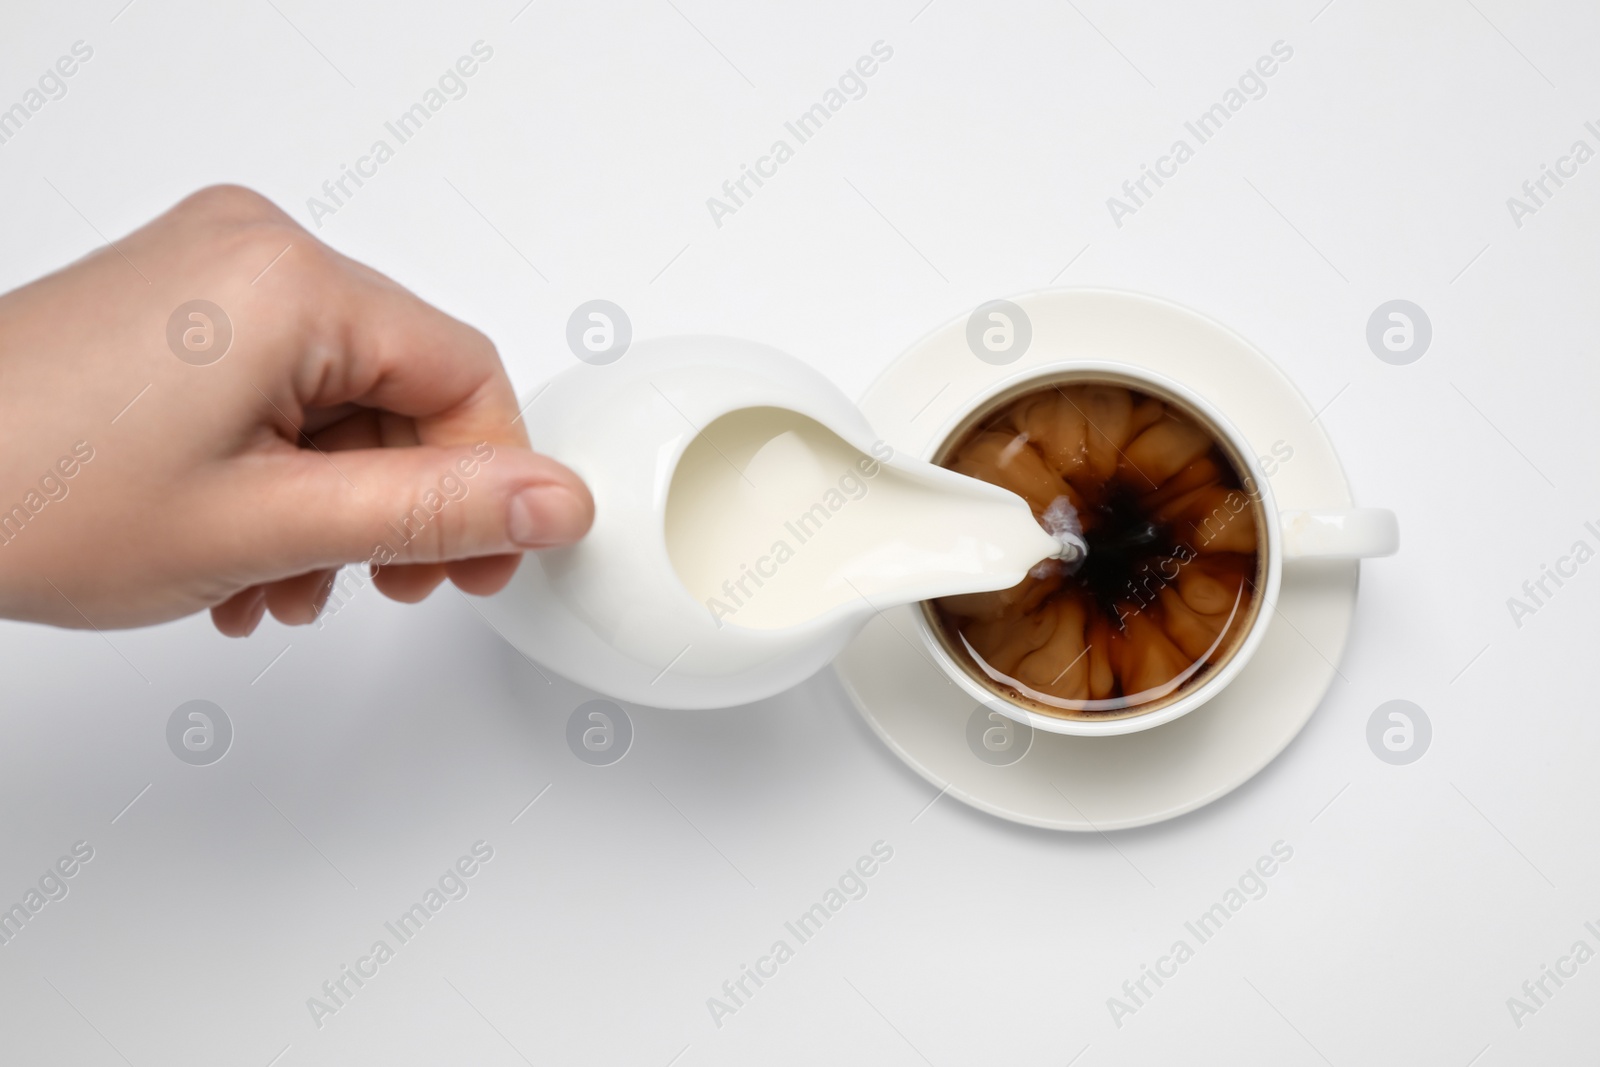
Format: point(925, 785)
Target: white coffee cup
point(1287, 536)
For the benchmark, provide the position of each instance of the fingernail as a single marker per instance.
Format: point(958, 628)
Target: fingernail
point(545, 516)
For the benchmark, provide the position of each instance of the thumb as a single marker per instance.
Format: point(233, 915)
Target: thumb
point(418, 504)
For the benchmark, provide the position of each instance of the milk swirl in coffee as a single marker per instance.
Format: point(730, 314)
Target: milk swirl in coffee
point(1167, 588)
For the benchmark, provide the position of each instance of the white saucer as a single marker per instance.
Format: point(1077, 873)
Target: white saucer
point(1105, 783)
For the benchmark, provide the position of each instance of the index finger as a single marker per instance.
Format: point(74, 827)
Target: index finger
point(370, 342)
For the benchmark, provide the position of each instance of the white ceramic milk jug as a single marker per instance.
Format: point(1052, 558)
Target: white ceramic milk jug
point(747, 524)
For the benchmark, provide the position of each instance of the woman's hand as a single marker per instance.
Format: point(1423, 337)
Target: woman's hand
point(218, 411)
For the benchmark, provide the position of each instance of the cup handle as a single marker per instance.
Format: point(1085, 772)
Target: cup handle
point(1360, 533)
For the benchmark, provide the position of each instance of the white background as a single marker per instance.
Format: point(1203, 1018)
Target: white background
point(377, 750)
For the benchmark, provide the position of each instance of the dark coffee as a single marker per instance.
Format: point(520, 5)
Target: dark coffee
point(1168, 586)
